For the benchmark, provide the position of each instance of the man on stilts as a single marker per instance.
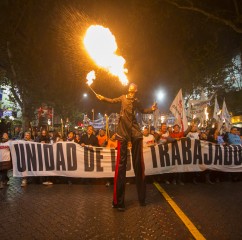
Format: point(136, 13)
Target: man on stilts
point(128, 130)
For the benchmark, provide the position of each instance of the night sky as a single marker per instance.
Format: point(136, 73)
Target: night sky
point(159, 42)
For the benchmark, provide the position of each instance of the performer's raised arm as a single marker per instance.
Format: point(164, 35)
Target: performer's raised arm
point(110, 100)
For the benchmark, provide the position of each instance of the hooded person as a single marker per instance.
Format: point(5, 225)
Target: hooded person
point(128, 130)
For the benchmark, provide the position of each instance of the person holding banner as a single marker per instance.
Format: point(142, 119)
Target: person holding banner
point(232, 138)
point(128, 130)
point(27, 137)
point(89, 139)
point(6, 163)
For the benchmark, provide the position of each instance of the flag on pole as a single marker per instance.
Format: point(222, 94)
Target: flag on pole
point(216, 109)
point(178, 109)
point(226, 118)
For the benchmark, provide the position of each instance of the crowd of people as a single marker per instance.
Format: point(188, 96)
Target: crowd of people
point(151, 137)
point(213, 134)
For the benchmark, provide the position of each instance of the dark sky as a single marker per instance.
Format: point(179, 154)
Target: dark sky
point(158, 42)
point(165, 48)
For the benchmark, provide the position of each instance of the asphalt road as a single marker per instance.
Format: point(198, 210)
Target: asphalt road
point(83, 211)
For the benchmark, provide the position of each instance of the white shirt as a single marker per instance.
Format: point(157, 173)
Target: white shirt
point(194, 135)
point(148, 140)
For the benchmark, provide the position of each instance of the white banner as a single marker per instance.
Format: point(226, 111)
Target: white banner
point(72, 160)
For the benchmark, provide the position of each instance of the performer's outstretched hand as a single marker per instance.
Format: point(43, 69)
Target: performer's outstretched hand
point(100, 97)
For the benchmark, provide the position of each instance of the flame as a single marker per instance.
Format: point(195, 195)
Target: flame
point(219, 112)
point(90, 77)
point(101, 46)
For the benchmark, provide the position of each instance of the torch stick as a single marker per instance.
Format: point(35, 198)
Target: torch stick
point(92, 90)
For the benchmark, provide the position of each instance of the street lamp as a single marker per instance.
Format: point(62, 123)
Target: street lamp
point(160, 95)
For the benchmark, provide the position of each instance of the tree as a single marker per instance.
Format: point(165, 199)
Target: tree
point(226, 12)
point(34, 63)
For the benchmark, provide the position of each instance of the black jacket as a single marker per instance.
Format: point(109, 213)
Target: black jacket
point(128, 128)
point(89, 140)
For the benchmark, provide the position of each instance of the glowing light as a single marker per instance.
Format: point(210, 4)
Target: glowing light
point(101, 45)
point(160, 95)
point(85, 95)
point(219, 112)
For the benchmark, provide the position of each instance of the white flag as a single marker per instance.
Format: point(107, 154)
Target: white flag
point(226, 116)
point(216, 109)
point(197, 106)
point(178, 109)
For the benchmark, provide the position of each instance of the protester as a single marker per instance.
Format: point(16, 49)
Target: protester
point(57, 137)
point(112, 142)
point(45, 138)
point(164, 139)
point(89, 139)
point(177, 133)
point(215, 137)
point(71, 137)
point(155, 134)
point(102, 138)
point(77, 139)
point(148, 139)
point(27, 137)
point(165, 136)
point(6, 163)
point(194, 132)
point(232, 138)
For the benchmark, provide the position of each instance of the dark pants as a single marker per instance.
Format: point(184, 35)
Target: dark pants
point(120, 171)
point(4, 176)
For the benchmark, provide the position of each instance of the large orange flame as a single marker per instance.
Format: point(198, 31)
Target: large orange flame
point(101, 46)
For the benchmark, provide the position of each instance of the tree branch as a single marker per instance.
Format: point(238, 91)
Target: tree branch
point(226, 22)
point(236, 8)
